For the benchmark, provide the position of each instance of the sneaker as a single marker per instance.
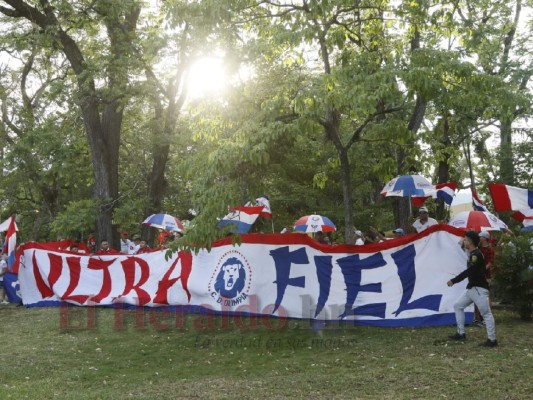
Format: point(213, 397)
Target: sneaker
point(489, 343)
point(457, 336)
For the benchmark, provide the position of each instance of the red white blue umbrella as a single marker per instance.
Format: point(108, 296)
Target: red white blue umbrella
point(314, 223)
point(164, 221)
point(408, 185)
point(477, 221)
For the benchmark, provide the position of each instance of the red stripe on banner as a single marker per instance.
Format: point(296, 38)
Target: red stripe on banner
point(294, 238)
point(500, 197)
point(43, 288)
point(74, 267)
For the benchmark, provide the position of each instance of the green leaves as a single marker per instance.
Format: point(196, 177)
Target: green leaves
point(78, 217)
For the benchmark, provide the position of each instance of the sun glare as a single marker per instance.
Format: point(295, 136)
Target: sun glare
point(207, 78)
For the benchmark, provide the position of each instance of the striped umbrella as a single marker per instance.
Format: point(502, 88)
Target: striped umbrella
point(408, 185)
point(164, 221)
point(314, 223)
point(477, 221)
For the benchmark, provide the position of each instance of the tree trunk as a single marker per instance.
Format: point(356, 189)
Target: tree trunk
point(103, 131)
point(402, 209)
point(156, 186)
point(346, 178)
point(443, 169)
point(104, 146)
point(506, 152)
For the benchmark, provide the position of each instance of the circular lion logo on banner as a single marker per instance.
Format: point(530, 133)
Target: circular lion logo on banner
point(230, 282)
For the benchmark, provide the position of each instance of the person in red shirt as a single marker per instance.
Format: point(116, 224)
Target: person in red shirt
point(105, 249)
point(143, 248)
point(488, 253)
point(163, 237)
point(91, 243)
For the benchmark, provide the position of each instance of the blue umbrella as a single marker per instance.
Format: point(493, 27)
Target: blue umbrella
point(528, 228)
point(408, 185)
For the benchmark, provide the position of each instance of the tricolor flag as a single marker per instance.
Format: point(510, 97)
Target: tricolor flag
point(242, 217)
point(444, 191)
point(476, 202)
point(524, 216)
point(10, 244)
point(506, 198)
point(265, 202)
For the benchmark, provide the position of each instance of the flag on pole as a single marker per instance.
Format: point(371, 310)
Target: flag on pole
point(444, 191)
point(10, 245)
point(507, 198)
point(5, 225)
point(477, 203)
point(265, 202)
point(242, 217)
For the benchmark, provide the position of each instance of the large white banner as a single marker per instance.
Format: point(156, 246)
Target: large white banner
point(400, 282)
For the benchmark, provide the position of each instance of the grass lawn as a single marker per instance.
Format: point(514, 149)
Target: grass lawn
point(144, 356)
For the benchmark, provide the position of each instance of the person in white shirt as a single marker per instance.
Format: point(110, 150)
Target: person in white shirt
point(135, 245)
point(423, 222)
point(125, 243)
point(358, 237)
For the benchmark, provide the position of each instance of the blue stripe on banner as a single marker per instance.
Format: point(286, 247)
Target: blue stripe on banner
point(530, 198)
point(430, 320)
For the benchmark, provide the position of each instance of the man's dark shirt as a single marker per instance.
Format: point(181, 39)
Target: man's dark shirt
point(475, 271)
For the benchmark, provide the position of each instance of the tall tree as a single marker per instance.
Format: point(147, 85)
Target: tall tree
point(497, 34)
point(42, 154)
point(102, 77)
point(194, 32)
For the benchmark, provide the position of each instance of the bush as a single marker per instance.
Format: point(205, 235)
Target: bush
point(514, 274)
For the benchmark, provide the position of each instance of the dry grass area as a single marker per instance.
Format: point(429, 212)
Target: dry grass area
point(144, 356)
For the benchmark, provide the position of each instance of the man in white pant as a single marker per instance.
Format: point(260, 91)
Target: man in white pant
point(477, 292)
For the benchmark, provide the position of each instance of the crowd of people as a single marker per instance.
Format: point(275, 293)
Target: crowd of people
point(373, 235)
point(479, 268)
point(135, 245)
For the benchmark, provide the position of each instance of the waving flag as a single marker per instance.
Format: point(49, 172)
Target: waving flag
point(242, 217)
point(10, 244)
point(507, 198)
point(444, 191)
point(477, 203)
point(524, 216)
point(265, 202)
point(5, 225)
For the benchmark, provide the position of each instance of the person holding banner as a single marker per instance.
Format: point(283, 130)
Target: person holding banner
point(477, 291)
point(106, 249)
point(424, 221)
